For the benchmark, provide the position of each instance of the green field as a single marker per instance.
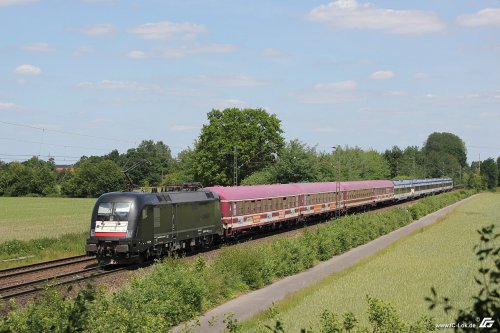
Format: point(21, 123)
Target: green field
point(32, 218)
point(440, 255)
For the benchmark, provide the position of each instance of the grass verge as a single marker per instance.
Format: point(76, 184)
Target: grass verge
point(440, 255)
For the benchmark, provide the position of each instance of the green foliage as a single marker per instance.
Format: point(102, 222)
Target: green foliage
point(256, 135)
point(182, 169)
point(38, 247)
point(442, 152)
point(53, 312)
point(159, 162)
point(431, 204)
point(476, 182)
point(33, 177)
point(486, 304)
point(489, 171)
point(382, 316)
point(169, 294)
point(91, 179)
point(296, 163)
point(355, 164)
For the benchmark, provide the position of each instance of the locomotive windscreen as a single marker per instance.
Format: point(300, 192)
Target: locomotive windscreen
point(112, 219)
point(113, 211)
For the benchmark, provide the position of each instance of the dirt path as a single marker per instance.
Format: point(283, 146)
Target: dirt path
point(260, 300)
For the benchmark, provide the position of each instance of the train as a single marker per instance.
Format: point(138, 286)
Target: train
point(130, 227)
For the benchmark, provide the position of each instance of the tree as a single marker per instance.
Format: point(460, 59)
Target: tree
point(393, 157)
point(357, 164)
point(489, 170)
point(296, 163)
point(252, 137)
point(442, 152)
point(31, 177)
point(91, 179)
point(182, 170)
point(152, 160)
point(498, 168)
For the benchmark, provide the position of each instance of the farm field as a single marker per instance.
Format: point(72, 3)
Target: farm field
point(439, 256)
point(32, 218)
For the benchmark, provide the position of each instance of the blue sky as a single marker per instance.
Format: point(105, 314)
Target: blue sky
point(85, 77)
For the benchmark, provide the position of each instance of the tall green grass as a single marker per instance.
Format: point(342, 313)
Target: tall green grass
point(26, 218)
point(439, 256)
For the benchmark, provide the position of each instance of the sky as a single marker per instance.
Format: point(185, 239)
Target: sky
point(84, 77)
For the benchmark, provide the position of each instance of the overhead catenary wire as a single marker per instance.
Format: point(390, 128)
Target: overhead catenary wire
point(51, 144)
point(65, 132)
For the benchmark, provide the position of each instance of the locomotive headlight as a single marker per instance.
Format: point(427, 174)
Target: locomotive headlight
point(129, 234)
point(92, 232)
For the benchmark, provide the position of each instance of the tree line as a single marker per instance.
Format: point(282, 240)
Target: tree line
point(245, 147)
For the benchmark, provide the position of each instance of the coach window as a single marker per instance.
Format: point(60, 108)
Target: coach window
point(259, 206)
point(240, 207)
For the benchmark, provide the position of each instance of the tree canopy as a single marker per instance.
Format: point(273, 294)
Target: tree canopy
point(32, 177)
point(252, 137)
point(444, 152)
point(91, 179)
point(489, 170)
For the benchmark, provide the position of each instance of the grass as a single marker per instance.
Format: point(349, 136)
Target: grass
point(440, 255)
point(45, 228)
point(33, 218)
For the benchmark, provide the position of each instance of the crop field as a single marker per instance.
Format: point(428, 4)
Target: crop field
point(32, 218)
point(439, 256)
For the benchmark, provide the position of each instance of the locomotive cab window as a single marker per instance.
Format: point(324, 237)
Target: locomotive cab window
point(113, 211)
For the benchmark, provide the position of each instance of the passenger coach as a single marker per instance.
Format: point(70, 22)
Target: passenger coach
point(244, 207)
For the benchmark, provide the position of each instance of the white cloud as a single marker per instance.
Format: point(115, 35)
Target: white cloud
point(186, 50)
point(37, 47)
point(349, 14)
point(110, 84)
point(14, 2)
point(273, 53)
point(184, 128)
point(326, 93)
point(7, 106)
point(99, 29)
point(382, 75)
point(230, 81)
point(85, 49)
point(27, 70)
point(342, 85)
point(136, 55)
point(168, 30)
point(228, 103)
point(487, 16)
point(422, 76)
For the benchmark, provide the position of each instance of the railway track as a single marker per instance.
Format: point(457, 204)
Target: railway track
point(35, 285)
point(41, 266)
point(29, 279)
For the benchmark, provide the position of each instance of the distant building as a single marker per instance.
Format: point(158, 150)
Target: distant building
point(62, 168)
